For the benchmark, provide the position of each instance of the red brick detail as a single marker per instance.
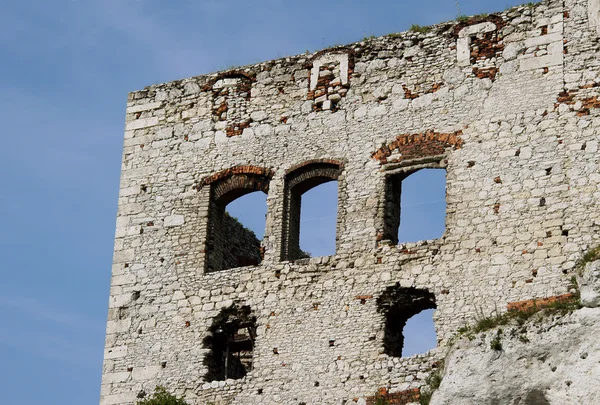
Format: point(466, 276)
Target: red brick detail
point(590, 102)
point(325, 85)
point(364, 297)
point(537, 302)
point(485, 45)
point(237, 170)
point(237, 128)
point(396, 398)
point(486, 73)
point(338, 163)
point(566, 97)
point(410, 95)
point(413, 146)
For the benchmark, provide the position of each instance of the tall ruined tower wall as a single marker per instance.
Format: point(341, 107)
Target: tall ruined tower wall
point(507, 104)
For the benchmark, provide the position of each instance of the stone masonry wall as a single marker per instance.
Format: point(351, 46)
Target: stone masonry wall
point(507, 104)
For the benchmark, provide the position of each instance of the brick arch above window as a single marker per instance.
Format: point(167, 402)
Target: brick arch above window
point(228, 243)
point(302, 177)
point(229, 184)
point(298, 180)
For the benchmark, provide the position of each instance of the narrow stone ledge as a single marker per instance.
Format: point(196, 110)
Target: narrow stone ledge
point(143, 107)
point(141, 123)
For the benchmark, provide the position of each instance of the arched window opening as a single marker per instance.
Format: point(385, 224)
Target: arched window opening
point(318, 220)
point(298, 183)
point(237, 214)
point(230, 342)
point(398, 305)
point(415, 206)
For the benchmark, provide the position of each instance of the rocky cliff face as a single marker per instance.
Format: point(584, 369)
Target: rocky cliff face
point(552, 358)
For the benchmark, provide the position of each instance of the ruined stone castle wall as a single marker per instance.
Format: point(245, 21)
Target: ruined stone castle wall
point(506, 104)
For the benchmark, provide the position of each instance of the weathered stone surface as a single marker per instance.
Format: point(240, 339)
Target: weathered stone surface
point(554, 361)
point(514, 125)
point(589, 284)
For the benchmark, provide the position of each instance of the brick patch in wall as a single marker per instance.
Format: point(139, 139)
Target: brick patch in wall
point(411, 95)
point(486, 73)
point(396, 398)
point(329, 78)
point(537, 302)
point(231, 93)
point(236, 170)
point(414, 146)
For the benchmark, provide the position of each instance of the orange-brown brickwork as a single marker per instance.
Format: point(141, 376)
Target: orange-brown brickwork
point(236, 170)
point(414, 146)
point(537, 303)
point(396, 398)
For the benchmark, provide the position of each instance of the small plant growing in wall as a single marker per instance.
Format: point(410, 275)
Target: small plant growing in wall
point(420, 29)
point(496, 342)
point(433, 383)
point(162, 397)
point(589, 256)
point(381, 400)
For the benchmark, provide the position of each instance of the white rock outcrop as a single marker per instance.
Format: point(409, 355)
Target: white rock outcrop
point(555, 360)
point(589, 284)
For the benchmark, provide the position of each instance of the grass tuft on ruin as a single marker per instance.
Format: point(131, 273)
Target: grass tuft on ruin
point(162, 397)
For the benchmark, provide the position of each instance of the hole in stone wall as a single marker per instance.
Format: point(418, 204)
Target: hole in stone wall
point(415, 206)
point(236, 230)
point(231, 344)
point(318, 220)
point(398, 305)
point(419, 334)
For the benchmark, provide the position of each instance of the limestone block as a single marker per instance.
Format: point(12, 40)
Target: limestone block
point(540, 62)
point(594, 14)
point(174, 220)
point(145, 373)
point(118, 399)
point(111, 378)
point(143, 107)
point(543, 40)
point(119, 326)
point(115, 352)
point(259, 116)
point(141, 123)
point(589, 284)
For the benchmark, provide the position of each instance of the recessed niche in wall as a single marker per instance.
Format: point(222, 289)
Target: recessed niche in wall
point(398, 305)
point(230, 344)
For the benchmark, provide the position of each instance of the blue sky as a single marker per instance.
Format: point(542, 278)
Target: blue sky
point(65, 72)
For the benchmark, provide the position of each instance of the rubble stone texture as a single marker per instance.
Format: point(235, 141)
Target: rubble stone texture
point(506, 104)
point(589, 284)
point(555, 361)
